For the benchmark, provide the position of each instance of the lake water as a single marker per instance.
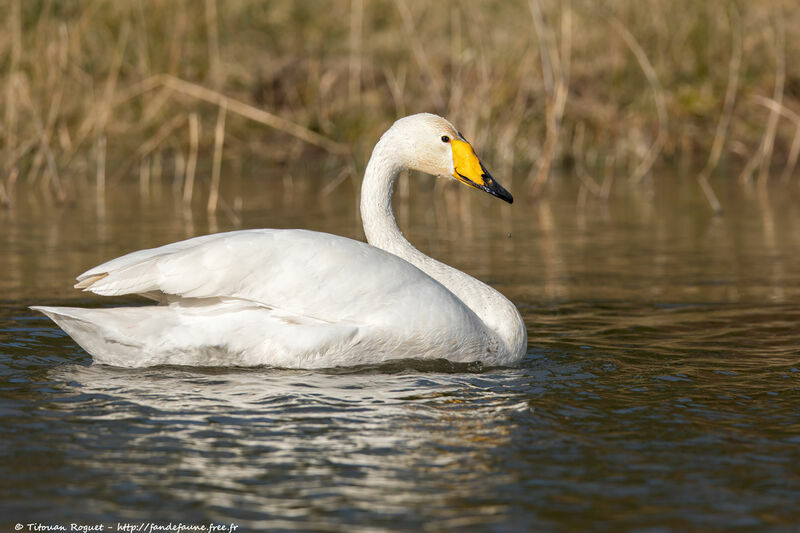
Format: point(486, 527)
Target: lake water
point(660, 390)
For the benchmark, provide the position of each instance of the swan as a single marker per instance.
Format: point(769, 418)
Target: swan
point(294, 298)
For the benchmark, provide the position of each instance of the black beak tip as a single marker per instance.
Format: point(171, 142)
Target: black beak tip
point(495, 189)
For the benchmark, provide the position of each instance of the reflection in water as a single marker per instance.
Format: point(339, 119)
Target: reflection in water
point(660, 386)
point(667, 249)
point(275, 442)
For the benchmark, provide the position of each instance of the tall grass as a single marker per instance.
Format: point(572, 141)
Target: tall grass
point(94, 91)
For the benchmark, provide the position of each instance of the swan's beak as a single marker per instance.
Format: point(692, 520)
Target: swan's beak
point(470, 170)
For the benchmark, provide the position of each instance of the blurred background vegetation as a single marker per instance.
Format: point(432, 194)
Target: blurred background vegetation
point(95, 92)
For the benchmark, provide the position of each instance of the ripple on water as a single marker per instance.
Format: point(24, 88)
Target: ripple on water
point(621, 414)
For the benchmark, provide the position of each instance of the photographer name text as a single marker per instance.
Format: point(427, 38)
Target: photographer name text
point(129, 527)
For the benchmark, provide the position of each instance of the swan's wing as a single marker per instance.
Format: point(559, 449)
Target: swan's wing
point(143, 255)
point(304, 273)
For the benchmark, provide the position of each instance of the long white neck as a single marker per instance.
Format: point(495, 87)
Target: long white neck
point(380, 227)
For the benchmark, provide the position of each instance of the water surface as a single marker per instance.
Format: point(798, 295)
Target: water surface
point(660, 391)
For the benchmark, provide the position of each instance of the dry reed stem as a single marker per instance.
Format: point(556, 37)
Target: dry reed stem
point(11, 181)
point(143, 46)
point(96, 121)
point(158, 166)
point(235, 219)
point(100, 181)
point(54, 176)
point(750, 166)
point(355, 53)
point(396, 86)
point(254, 114)
point(46, 127)
point(7, 191)
point(137, 89)
point(45, 151)
point(331, 186)
point(191, 166)
point(179, 173)
point(543, 36)
point(151, 144)
point(581, 203)
point(710, 195)
point(555, 71)
point(11, 111)
point(144, 178)
point(588, 182)
point(768, 137)
point(608, 178)
point(456, 87)
point(177, 39)
point(214, 63)
point(154, 106)
point(160, 136)
point(506, 139)
point(780, 79)
point(216, 168)
point(10, 132)
point(720, 134)
point(420, 56)
point(20, 152)
point(794, 151)
point(566, 53)
point(578, 136)
point(36, 170)
point(658, 93)
point(54, 110)
point(64, 139)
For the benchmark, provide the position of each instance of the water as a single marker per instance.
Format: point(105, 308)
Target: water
point(660, 391)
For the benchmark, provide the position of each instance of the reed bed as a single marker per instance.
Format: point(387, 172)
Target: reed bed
point(95, 92)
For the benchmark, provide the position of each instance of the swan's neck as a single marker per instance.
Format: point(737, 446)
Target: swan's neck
point(380, 227)
point(377, 215)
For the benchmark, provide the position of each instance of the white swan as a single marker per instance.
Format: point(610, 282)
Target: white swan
point(303, 299)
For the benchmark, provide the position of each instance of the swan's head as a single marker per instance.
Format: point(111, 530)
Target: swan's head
point(431, 144)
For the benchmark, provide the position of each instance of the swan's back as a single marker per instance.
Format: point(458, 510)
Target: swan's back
point(303, 272)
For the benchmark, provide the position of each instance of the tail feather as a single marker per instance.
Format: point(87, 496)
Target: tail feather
point(87, 282)
point(223, 333)
point(93, 332)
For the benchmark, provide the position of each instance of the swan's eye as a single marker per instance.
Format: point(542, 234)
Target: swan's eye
point(445, 139)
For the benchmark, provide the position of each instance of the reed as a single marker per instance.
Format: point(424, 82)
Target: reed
point(191, 167)
point(542, 88)
point(721, 131)
point(216, 169)
point(555, 62)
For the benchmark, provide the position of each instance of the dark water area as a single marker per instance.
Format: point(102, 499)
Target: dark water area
point(660, 390)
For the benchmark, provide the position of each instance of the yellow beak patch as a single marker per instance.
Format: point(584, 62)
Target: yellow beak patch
point(468, 168)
